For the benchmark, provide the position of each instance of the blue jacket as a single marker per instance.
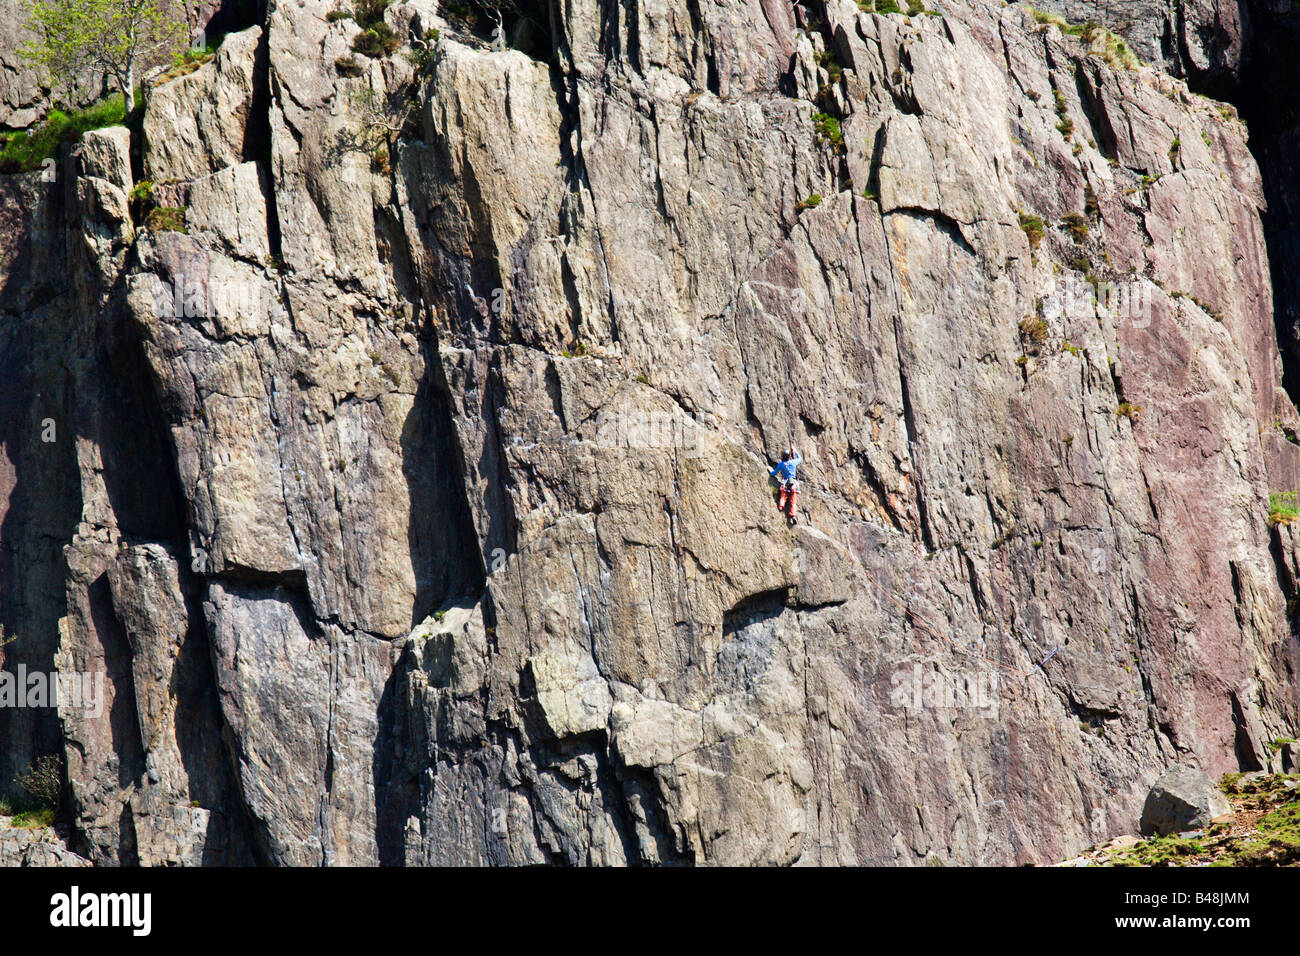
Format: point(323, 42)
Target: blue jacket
point(785, 470)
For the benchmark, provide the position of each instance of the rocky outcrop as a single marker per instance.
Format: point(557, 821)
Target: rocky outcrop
point(414, 497)
point(1205, 41)
point(40, 846)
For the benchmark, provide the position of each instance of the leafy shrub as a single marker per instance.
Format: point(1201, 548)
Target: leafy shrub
point(463, 13)
point(1033, 331)
point(1091, 207)
point(1077, 224)
point(334, 16)
point(43, 781)
point(367, 13)
point(348, 66)
point(423, 57)
point(1033, 227)
point(828, 130)
point(140, 200)
point(812, 202)
point(376, 42)
point(826, 60)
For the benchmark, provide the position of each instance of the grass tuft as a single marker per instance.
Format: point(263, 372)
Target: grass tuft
point(27, 150)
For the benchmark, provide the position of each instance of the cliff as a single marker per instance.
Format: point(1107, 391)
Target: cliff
point(412, 497)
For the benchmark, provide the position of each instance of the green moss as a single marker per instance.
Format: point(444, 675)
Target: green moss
point(1129, 411)
point(812, 202)
point(166, 219)
point(140, 200)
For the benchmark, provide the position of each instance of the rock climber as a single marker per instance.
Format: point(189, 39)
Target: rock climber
point(787, 484)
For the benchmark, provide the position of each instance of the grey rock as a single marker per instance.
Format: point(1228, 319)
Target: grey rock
point(21, 846)
point(198, 123)
point(1183, 799)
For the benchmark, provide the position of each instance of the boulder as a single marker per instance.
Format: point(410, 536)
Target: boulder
point(1183, 799)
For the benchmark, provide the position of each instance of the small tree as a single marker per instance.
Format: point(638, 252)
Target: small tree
point(113, 37)
point(44, 781)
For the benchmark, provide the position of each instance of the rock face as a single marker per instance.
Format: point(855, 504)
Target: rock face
point(413, 504)
point(1183, 799)
point(1205, 41)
